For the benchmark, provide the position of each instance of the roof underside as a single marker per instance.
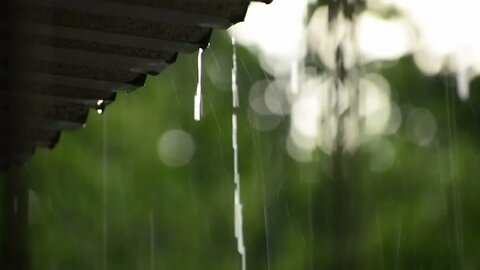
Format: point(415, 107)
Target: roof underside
point(60, 58)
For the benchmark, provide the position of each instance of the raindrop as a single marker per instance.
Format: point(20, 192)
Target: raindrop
point(100, 106)
point(198, 95)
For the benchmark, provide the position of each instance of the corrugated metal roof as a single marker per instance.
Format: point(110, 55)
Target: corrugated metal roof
point(59, 58)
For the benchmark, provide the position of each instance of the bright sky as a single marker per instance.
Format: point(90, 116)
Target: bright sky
point(442, 35)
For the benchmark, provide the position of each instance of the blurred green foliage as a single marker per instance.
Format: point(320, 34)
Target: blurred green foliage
point(422, 213)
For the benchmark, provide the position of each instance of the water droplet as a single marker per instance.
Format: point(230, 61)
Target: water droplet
point(100, 106)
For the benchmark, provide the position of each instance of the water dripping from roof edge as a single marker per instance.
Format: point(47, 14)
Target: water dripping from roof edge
point(198, 103)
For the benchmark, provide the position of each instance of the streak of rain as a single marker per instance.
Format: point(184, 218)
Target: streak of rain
point(238, 215)
point(152, 239)
point(104, 193)
point(235, 99)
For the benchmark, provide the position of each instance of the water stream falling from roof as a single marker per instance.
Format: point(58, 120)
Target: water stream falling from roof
point(104, 194)
point(198, 95)
point(235, 98)
point(238, 216)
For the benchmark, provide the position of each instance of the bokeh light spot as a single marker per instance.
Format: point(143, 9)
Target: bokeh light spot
point(175, 148)
point(421, 126)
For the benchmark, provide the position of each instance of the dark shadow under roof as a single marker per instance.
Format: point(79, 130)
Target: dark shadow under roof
point(62, 58)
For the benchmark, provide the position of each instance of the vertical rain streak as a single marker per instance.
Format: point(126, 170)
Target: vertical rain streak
point(152, 239)
point(104, 194)
point(238, 215)
point(453, 171)
point(198, 103)
point(235, 98)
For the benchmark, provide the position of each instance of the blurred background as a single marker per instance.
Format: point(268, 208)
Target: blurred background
point(145, 186)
